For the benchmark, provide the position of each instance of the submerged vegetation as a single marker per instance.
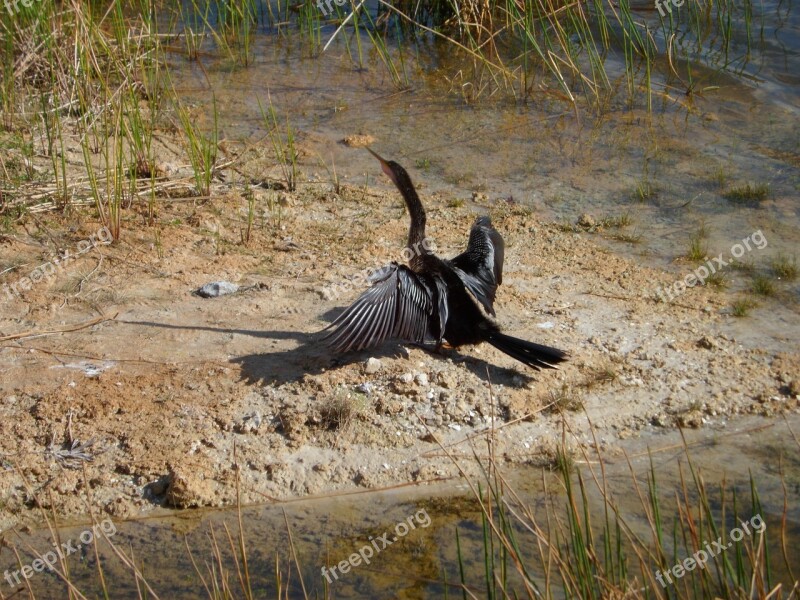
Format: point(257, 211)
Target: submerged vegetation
point(741, 306)
point(784, 267)
point(753, 193)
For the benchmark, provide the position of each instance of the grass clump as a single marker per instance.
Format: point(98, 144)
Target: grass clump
point(741, 307)
point(697, 249)
point(762, 285)
point(717, 280)
point(784, 267)
point(565, 398)
point(748, 193)
point(423, 164)
point(339, 411)
point(629, 238)
point(644, 191)
point(599, 375)
point(571, 547)
point(618, 222)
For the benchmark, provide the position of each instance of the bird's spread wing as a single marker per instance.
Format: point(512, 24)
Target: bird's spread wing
point(480, 266)
point(398, 305)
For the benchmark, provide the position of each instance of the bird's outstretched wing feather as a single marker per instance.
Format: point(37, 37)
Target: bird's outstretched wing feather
point(480, 266)
point(398, 305)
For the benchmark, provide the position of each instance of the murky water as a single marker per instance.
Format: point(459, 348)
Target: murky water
point(408, 561)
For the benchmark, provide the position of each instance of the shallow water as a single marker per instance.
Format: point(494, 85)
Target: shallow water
point(326, 531)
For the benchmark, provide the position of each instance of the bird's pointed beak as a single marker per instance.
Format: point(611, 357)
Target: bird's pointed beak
point(384, 165)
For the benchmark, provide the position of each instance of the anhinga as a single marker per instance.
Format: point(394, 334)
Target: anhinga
point(434, 299)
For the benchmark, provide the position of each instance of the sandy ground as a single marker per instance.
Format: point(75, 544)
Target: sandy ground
point(158, 404)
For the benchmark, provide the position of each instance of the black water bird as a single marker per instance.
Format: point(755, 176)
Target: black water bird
point(433, 299)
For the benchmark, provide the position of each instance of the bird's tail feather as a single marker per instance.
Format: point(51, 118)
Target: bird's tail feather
point(534, 355)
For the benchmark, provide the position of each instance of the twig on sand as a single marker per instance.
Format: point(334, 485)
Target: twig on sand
point(84, 325)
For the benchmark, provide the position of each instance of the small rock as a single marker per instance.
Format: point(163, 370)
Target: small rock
point(406, 378)
point(706, 342)
point(447, 380)
point(251, 422)
point(479, 197)
point(660, 420)
point(188, 488)
point(364, 388)
point(586, 221)
point(390, 406)
point(422, 379)
point(373, 365)
point(216, 289)
point(693, 419)
point(358, 141)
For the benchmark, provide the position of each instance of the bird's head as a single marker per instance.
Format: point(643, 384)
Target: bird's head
point(394, 171)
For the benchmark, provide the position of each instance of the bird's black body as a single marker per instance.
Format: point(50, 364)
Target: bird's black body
point(434, 299)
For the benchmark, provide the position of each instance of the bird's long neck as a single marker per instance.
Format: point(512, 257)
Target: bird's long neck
point(416, 231)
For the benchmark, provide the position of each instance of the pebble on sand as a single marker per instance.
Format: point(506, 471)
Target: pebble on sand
point(216, 289)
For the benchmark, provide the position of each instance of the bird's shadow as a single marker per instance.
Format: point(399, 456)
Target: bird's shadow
point(312, 356)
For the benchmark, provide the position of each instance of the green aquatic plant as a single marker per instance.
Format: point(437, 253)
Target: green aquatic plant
point(748, 193)
point(741, 306)
point(644, 190)
point(698, 251)
point(580, 548)
point(784, 267)
point(716, 280)
point(628, 238)
point(201, 147)
point(623, 220)
point(283, 145)
point(762, 285)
